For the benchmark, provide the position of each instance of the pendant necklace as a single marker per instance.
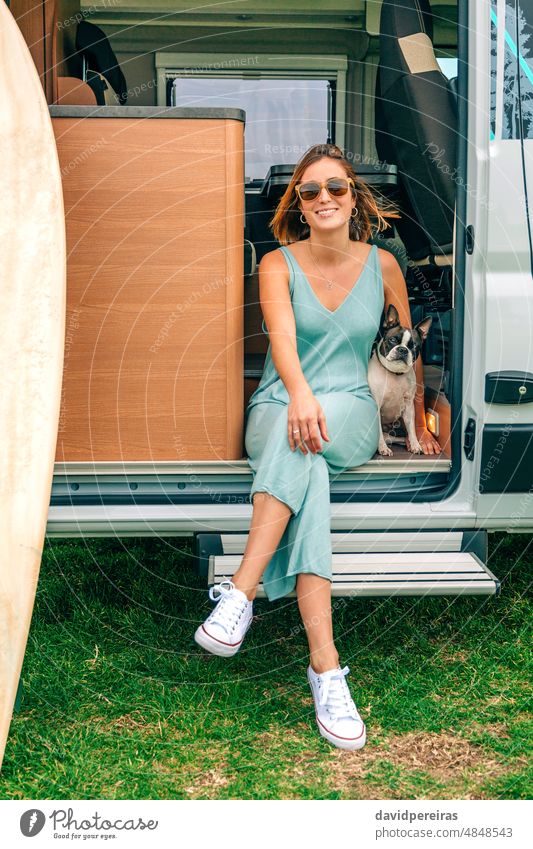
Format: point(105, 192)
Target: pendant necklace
point(329, 283)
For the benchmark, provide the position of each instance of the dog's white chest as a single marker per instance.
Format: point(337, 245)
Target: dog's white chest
point(392, 392)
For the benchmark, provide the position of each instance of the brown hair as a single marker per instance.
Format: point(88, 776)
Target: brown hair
point(286, 225)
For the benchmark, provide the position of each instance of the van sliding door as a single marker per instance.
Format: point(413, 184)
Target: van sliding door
point(503, 263)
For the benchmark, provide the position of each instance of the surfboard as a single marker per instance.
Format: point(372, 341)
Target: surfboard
point(32, 328)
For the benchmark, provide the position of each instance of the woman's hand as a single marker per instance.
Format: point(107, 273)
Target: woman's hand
point(306, 422)
point(428, 443)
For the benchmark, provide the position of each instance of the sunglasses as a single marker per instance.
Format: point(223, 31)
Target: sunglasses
point(336, 187)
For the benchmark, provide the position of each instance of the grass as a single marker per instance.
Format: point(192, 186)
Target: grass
point(118, 702)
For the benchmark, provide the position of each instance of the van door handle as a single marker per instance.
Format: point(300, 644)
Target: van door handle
point(470, 439)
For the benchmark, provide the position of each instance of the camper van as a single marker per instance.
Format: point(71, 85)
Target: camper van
point(177, 130)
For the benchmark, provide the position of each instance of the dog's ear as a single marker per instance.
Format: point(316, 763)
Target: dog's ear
point(392, 319)
point(423, 327)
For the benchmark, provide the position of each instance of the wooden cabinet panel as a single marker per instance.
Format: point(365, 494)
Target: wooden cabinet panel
point(36, 20)
point(154, 212)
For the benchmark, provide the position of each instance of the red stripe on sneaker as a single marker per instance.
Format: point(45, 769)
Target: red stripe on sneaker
point(338, 736)
point(220, 641)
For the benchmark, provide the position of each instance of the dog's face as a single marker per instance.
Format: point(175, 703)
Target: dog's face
point(399, 346)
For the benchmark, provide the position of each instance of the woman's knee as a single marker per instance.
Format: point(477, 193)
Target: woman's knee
point(263, 425)
point(352, 425)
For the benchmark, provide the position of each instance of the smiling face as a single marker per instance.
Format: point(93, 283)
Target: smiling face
point(326, 213)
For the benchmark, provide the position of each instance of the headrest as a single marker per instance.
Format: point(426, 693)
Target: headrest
point(406, 40)
point(93, 44)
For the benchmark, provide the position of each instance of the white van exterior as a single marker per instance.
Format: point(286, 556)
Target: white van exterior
point(488, 485)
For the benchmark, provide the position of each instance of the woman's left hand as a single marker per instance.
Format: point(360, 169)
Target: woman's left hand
point(428, 443)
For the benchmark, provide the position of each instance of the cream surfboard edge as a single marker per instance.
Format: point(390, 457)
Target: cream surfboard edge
point(32, 328)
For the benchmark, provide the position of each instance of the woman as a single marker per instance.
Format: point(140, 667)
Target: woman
point(312, 414)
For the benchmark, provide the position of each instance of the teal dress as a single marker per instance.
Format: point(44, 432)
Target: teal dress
point(334, 348)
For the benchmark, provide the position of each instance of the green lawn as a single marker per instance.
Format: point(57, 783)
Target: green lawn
point(118, 702)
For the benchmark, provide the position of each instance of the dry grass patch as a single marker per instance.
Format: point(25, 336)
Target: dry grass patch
point(127, 722)
point(208, 784)
point(203, 783)
point(452, 655)
point(493, 729)
point(281, 737)
point(198, 778)
point(454, 765)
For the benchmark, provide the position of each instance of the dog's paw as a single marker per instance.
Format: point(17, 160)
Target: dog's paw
point(384, 449)
point(415, 447)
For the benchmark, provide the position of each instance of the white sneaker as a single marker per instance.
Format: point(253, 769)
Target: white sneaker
point(224, 629)
point(336, 714)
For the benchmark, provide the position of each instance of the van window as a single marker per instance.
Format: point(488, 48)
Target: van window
point(283, 116)
point(493, 67)
point(517, 118)
point(290, 101)
point(448, 66)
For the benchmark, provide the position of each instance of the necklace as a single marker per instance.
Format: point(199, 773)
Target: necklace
point(329, 283)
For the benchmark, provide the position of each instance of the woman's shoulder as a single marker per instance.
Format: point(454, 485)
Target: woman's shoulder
point(275, 259)
point(391, 273)
point(275, 272)
point(388, 261)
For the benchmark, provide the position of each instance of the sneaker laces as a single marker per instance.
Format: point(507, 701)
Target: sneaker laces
point(335, 695)
point(229, 608)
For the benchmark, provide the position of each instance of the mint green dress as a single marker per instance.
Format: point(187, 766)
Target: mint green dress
point(334, 348)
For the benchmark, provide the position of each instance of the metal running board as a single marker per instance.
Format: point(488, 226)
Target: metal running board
point(379, 563)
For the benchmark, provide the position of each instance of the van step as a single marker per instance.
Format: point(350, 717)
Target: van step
point(409, 563)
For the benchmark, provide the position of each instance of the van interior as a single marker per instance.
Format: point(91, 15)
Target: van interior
point(178, 129)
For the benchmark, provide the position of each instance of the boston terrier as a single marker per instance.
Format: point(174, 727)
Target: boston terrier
point(391, 375)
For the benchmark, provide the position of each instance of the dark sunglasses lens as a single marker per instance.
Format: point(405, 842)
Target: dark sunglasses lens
point(309, 191)
point(338, 188)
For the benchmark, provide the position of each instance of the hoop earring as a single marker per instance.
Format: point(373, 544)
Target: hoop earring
point(355, 212)
point(302, 218)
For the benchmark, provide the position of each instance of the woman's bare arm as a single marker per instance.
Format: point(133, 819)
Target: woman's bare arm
point(395, 290)
point(279, 318)
point(306, 421)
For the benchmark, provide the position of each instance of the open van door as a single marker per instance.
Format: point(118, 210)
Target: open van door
point(498, 389)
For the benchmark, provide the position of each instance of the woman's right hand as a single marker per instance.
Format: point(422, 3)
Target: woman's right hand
point(305, 415)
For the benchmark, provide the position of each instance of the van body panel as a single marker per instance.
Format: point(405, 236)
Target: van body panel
point(189, 519)
point(492, 267)
point(498, 287)
point(506, 458)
